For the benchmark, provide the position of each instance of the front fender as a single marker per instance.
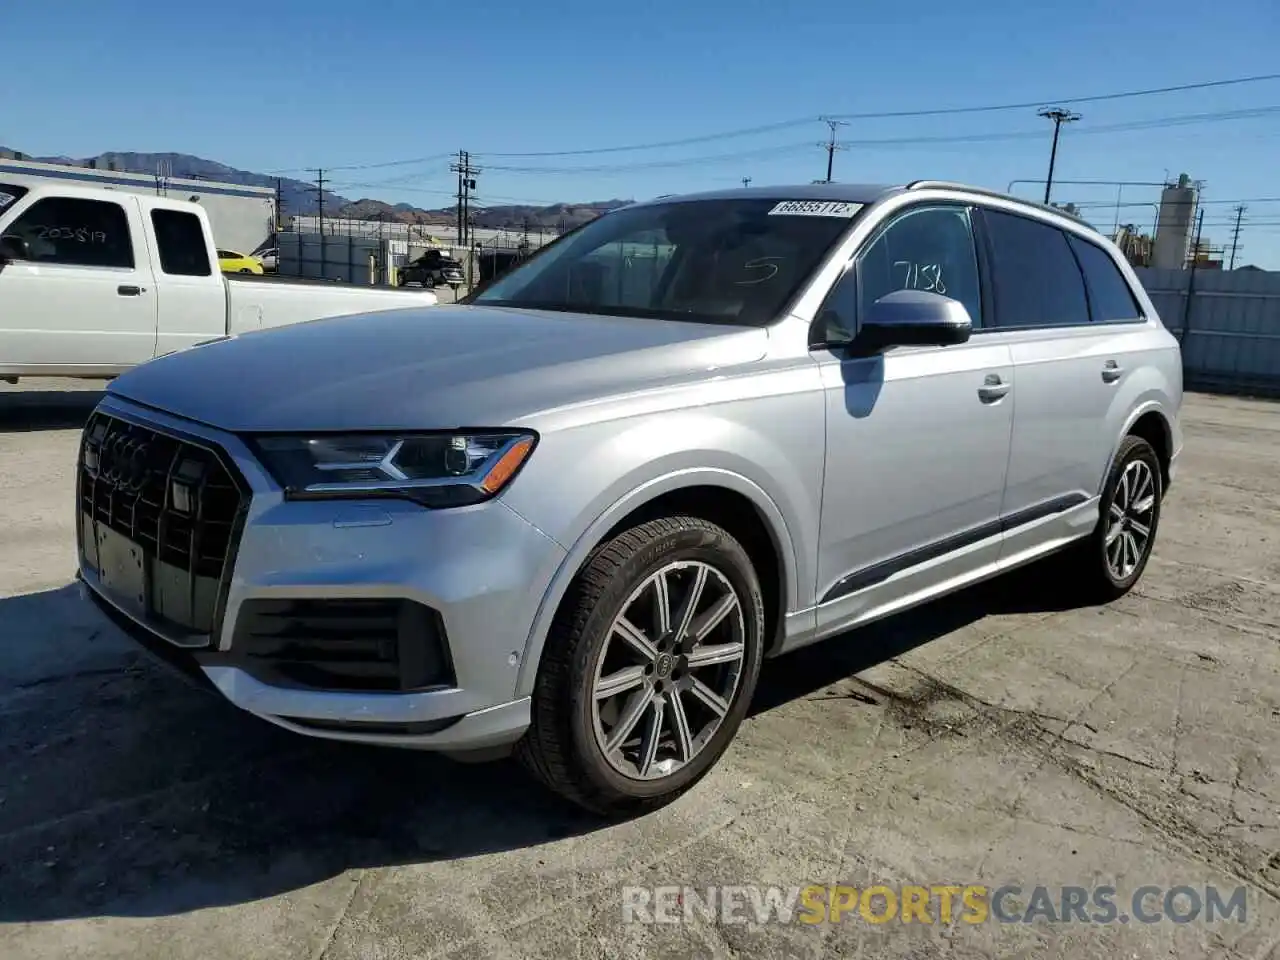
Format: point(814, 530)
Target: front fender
point(636, 497)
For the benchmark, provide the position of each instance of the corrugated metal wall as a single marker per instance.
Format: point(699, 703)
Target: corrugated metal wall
point(1229, 326)
point(345, 259)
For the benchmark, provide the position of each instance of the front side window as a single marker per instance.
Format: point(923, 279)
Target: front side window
point(73, 231)
point(928, 248)
point(734, 261)
point(1110, 299)
point(1037, 280)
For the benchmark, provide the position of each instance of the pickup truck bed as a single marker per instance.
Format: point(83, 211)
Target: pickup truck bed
point(94, 281)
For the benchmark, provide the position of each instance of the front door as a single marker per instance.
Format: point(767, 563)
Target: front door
point(77, 289)
point(917, 438)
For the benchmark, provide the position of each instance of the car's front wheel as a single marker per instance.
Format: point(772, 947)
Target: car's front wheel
point(649, 667)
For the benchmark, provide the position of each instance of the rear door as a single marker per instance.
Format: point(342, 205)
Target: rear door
point(193, 293)
point(78, 290)
point(1065, 368)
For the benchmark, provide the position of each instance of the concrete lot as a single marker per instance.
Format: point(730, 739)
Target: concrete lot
point(991, 738)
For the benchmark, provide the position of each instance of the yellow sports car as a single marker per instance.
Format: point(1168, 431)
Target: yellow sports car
point(231, 262)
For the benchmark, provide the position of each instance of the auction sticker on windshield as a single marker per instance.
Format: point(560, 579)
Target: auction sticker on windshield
point(816, 208)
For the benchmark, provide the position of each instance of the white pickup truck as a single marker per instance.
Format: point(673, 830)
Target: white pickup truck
point(95, 281)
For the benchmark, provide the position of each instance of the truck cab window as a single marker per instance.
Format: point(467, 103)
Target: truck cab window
point(181, 244)
point(73, 231)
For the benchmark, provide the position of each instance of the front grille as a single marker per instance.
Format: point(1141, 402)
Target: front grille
point(364, 644)
point(178, 503)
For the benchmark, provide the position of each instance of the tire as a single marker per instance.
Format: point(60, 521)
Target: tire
point(1092, 561)
point(566, 746)
point(245, 270)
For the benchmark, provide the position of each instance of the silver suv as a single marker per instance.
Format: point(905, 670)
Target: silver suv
point(574, 515)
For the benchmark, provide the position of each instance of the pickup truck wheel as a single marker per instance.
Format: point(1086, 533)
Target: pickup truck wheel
point(1112, 559)
point(648, 668)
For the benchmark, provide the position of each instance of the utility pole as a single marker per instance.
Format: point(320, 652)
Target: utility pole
point(746, 182)
point(1059, 117)
point(1191, 280)
point(319, 188)
point(1235, 236)
point(831, 146)
point(466, 183)
point(279, 213)
point(1195, 250)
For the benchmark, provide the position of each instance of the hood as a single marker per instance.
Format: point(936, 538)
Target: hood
point(436, 368)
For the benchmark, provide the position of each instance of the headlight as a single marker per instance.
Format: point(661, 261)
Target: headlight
point(435, 469)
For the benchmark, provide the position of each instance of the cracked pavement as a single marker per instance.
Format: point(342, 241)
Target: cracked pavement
point(990, 738)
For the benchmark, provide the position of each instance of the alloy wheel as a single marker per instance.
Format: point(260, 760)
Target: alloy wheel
point(1130, 519)
point(669, 670)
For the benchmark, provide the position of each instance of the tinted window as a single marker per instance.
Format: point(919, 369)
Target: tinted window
point(1037, 279)
point(927, 249)
point(733, 261)
point(10, 193)
point(1110, 298)
point(90, 233)
point(228, 255)
point(180, 240)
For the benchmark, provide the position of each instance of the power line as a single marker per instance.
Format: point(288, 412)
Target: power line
point(928, 140)
point(804, 121)
point(885, 115)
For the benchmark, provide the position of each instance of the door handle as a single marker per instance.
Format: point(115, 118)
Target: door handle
point(128, 290)
point(1111, 372)
point(993, 388)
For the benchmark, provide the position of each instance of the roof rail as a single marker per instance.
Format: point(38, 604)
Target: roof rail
point(999, 194)
point(952, 185)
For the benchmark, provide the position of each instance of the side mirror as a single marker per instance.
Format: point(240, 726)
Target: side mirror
point(912, 318)
point(13, 248)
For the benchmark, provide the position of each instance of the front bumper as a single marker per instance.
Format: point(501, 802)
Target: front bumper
point(483, 570)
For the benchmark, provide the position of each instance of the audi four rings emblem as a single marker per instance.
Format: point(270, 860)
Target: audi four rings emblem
point(122, 462)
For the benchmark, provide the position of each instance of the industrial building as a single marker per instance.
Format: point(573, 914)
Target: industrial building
point(242, 218)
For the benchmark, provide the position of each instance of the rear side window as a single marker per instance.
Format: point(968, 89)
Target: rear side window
point(69, 230)
point(1110, 298)
point(10, 193)
point(180, 239)
point(1037, 279)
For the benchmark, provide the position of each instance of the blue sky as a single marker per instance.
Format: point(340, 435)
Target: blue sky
point(285, 85)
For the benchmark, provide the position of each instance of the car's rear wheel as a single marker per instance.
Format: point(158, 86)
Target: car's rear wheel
point(1111, 561)
point(649, 667)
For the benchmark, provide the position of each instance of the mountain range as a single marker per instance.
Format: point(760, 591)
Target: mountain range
point(298, 197)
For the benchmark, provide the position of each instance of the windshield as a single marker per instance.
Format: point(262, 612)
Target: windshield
point(736, 261)
point(9, 194)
